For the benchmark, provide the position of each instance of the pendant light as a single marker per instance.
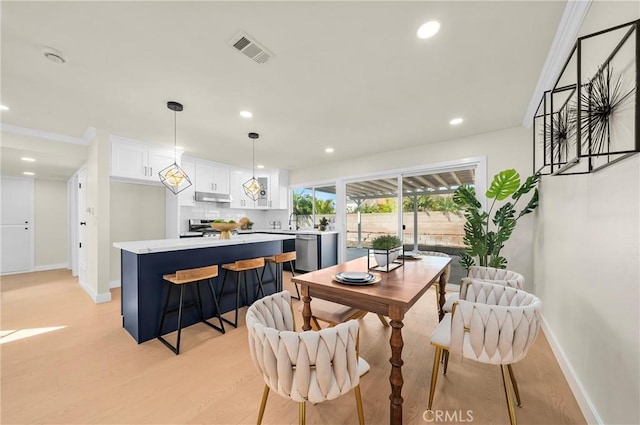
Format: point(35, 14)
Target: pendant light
point(252, 187)
point(174, 177)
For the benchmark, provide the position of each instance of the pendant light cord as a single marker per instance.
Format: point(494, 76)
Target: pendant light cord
point(253, 158)
point(175, 132)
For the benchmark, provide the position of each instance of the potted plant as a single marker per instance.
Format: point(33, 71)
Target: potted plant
point(323, 223)
point(386, 249)
point(482, 243)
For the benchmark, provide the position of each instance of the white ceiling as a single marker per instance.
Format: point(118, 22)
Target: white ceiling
point(348, 75)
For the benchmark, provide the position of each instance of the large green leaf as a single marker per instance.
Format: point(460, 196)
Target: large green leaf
point(466, 260)
point(465, 196)
point(498, 262)
point(505, 212)
point(526, 187)
point(532, 205)
point(504, 184)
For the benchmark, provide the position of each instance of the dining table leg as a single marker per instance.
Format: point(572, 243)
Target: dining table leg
point(442, 289)
point(306, 308)
point(396, 315)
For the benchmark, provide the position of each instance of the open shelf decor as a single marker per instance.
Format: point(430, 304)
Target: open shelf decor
point(589, 120)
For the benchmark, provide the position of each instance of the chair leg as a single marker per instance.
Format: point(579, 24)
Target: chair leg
point(507, 390)
point(164, 310)
point(383, 320)
point(437, 287)
point(263, 404)
point(434, 375)
point(359, 405)
point(235, 325)
point(515, 386)
point(446, 362)
point(302, 413)
point(315, 324)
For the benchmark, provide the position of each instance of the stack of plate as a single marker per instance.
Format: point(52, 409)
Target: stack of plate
point(355, 278)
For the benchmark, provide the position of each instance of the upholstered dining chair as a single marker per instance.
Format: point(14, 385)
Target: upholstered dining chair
point(493, 324)
point(307, 366)
point(489, 274)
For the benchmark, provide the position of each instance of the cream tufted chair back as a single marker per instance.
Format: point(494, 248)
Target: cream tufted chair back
point(307, 366)
point(489, 274)
point(495, 324)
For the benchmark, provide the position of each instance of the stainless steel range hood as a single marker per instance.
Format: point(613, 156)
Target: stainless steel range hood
point(213, 197)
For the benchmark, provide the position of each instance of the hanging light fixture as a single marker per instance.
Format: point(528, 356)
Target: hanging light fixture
point(252, 187)
point(174, 177)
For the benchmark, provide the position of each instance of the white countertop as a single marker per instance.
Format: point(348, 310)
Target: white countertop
point(164, 245)
point(290, 232)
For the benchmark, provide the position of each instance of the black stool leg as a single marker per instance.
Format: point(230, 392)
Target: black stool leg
point(260, 287)
point(175, 349)
point(235, 325)
point(180, 318)
point(164, 310)
point(293, 273)
point(217, 306)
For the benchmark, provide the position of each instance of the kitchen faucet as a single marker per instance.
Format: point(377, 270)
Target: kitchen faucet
point(291, 215)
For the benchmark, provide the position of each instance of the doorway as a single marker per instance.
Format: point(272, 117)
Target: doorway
point(17, 225)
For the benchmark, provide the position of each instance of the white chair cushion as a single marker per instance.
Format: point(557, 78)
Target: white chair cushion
point(442, 335)
point(331, 312)
point(363, 366)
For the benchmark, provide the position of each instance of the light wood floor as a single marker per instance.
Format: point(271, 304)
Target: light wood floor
point(92, 372)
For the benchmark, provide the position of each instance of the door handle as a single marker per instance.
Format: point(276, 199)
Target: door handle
point(83, 223)
point(26, 222)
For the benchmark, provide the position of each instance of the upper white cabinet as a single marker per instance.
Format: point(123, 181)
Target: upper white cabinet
point(187, 197)
point(239, 199)
point(139, 161)
point(279, 190)
point(212, 177)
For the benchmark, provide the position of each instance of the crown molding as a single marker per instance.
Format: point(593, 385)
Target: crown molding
point(566, 35)
point(84, 140)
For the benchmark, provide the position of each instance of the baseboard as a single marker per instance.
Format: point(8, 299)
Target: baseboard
point(114, 284)
point(584, 402)
point(50, 267)
point(97, 298)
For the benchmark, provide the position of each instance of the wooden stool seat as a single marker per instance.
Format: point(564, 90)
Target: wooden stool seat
point(278, 260)
point(181, 278)
point(240, 268)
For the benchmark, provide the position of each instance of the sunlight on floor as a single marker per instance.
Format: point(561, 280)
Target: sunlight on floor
point(14, 335)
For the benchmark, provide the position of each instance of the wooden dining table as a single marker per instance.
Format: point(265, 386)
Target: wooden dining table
point(396, 292)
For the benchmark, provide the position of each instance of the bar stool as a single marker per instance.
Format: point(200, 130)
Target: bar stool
point(183, 278)
point(279, 260)
point(240, 268)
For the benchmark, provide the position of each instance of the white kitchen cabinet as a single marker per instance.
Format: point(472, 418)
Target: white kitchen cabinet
point(239, 199)
point(276, 194)
point(139, 161)
point(186, 198)
point(212, 177)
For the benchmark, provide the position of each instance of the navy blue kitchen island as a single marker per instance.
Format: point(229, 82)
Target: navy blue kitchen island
point(143, 263)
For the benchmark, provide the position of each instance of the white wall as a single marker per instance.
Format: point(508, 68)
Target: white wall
point(137, 213)
point(587, 268)
point(511, 148)
point(50, 207)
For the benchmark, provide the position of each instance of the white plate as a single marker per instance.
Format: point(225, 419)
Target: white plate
point(355, 276)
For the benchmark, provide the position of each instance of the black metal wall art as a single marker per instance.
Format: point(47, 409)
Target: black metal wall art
point(591, 118)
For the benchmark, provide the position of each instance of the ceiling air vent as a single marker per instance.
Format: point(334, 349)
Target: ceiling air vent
point(246, 44)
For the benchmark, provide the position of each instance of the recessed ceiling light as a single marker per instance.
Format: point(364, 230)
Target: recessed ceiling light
point(260, 166)
point(4, 108)
point(329, 150)
point(456, 121)
point(28, 173)
point(24, 158)
point(429, 29)
point(246, 114)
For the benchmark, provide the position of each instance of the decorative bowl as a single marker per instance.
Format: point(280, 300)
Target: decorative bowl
point(225, 229)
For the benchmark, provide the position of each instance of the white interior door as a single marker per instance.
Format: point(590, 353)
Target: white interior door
point(82, 226)
point(16, 225)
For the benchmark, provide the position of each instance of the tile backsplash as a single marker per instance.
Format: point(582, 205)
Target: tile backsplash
point(212, 211)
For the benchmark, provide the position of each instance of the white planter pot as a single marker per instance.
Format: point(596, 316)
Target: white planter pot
point(384, 256)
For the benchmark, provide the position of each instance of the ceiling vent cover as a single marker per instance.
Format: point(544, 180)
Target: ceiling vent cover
point(246, 44)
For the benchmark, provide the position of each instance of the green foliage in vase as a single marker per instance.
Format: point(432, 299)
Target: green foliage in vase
point(385, 242)
point(482, 243)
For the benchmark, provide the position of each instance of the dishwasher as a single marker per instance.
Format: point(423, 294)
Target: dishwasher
point(307, 252)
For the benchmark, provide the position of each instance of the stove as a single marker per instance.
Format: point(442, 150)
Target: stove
point(202, 228)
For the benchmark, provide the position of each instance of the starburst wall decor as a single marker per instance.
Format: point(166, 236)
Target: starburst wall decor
point(590, 119)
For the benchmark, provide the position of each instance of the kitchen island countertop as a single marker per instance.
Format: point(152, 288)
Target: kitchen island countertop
point(165, 245)
point(289, 231)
